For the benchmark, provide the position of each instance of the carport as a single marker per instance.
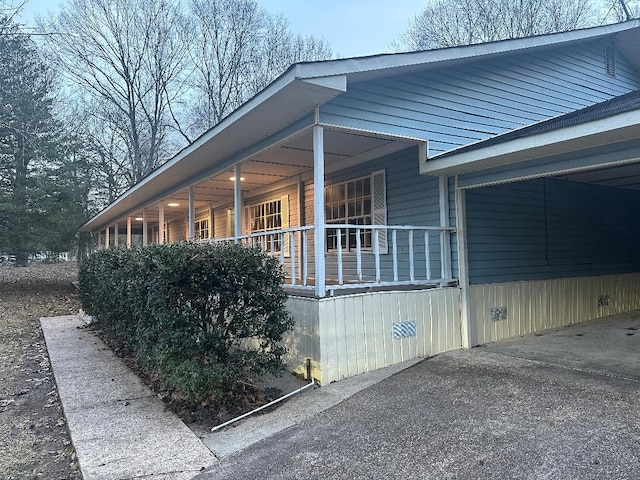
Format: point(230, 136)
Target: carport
point(547, 221)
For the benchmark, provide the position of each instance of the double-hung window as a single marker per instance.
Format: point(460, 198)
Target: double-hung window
point(269, 216)
point(201, 229)
point(361, 201)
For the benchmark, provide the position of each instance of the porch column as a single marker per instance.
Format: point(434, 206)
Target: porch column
point(116, 231)
point(237, 202)
point(463, 266)
point(99, 240)
point(445, 237)
point(106, 237)
point(318, 209)
point(145, 234)
point(192, 215)
point(161, 223)
point(128, 232)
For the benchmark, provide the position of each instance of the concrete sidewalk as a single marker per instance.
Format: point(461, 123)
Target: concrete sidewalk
point(119, 428)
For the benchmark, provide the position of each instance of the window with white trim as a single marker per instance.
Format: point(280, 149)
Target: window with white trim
point(361, 201)
point(201, 229)
point(269, 216)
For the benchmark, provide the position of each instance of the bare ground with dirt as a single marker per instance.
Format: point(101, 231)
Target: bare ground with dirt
point(34, 439)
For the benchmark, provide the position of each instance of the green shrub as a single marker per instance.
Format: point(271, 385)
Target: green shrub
point(203, 318)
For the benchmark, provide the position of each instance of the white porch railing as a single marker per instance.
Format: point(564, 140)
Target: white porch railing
point(360, 256)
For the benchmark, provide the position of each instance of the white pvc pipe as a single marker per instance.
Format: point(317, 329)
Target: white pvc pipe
point(222, 425)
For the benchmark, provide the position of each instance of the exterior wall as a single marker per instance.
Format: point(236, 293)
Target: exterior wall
point(455, 106)
point(220, 213)
point(539, 305)
point(546, 228)
point(412, 199)
point(304, 341)
point(352, 334)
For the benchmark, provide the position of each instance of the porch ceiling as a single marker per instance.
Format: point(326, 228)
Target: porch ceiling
point(278, 166)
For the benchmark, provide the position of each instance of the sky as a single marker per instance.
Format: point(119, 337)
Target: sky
point(352, 27)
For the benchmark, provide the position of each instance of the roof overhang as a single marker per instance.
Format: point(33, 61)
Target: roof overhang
point(280, 105)
point(604, 131)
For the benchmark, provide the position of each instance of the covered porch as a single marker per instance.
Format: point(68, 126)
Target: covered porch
point(332, 237)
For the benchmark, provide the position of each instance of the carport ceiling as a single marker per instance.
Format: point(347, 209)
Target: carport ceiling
point(622, 176)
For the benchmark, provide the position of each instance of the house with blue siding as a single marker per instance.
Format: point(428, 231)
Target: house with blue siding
point(426, 201)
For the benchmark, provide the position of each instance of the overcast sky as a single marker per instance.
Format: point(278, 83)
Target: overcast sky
point(352, 27)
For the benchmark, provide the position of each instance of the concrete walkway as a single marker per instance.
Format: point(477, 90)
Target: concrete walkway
point(119, 428)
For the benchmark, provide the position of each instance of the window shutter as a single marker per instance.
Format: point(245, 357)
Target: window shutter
point(247, 221)
point(379, 206)
point(230, 223)
point(284, 219)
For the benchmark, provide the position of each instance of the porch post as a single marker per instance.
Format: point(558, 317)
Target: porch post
point(237, 202)
point(463, 266)
point(445, 236)
point(318, 209)
point(116, 231)
point(128, 232)
point(145, 234)
point(99, 240)
point(107, 242)
point(161, 223)
point(192, 215)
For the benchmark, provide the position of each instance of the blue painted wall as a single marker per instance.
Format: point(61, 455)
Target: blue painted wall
point(546, 228)
point(454, 106)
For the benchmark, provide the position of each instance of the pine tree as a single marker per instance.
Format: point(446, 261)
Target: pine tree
point(40, 207)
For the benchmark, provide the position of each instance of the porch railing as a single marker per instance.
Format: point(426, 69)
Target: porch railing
point(360, 256)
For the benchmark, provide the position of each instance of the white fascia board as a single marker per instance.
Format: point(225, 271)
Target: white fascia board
point(334, 82)
point(624, 126)
point(382, 63)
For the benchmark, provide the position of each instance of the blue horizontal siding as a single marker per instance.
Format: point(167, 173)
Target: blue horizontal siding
point(546, 228)
point(455, 106)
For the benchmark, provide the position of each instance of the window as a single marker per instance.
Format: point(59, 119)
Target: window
point(201, 229)
point(361, 201)
point(268, 216)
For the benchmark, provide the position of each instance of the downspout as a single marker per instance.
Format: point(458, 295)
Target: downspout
point(277, 400)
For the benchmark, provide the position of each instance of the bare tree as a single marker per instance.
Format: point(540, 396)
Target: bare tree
point(128, 56)
point(620, 10)
point(447, 23)
point(238, 49)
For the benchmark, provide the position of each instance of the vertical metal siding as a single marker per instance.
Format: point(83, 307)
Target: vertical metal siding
point(304, 341)
point(540, 305)
point(356, 331)
point(454, 106)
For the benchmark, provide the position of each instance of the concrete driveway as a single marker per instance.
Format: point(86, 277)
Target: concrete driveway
point(561, 405)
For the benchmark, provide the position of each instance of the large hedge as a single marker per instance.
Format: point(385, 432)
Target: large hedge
point(203, 318)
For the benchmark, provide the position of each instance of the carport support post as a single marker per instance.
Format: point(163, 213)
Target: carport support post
point(192, 214)
point(445, 235)
point(161, 223)
point(128, 232)
point(145, 235)
point(237, 202)
point(318, 209)
point(463, 266)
